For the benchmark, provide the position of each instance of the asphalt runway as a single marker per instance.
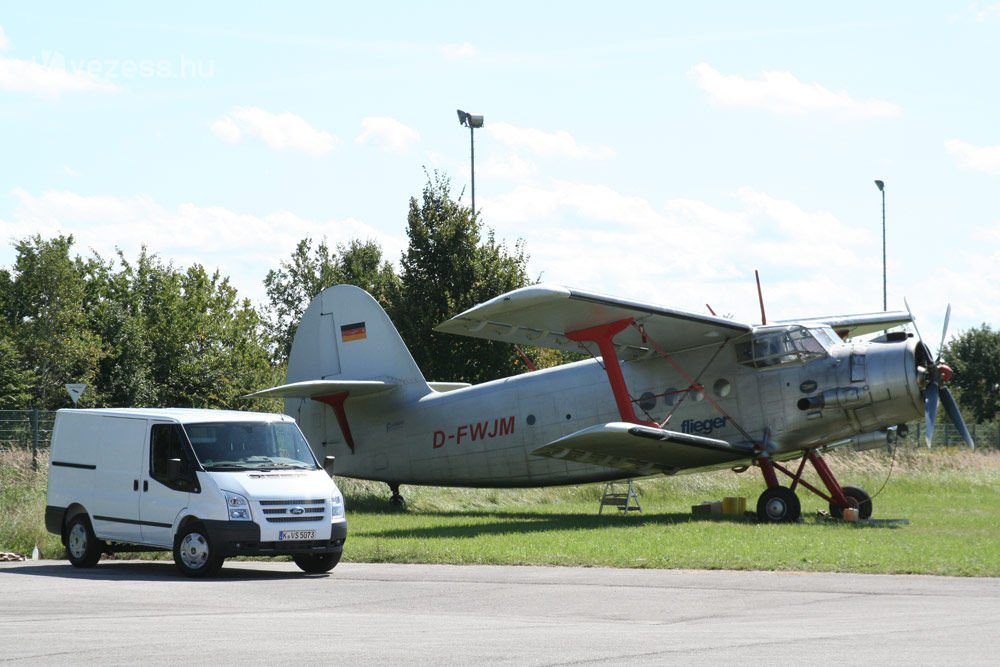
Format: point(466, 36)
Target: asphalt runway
point(265, 613)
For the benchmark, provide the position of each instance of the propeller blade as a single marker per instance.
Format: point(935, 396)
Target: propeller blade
point(944, 333)
point(951, 408)
point(930, 411)
point(913, 320)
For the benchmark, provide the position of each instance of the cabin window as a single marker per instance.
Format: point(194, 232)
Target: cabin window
point(780, 346)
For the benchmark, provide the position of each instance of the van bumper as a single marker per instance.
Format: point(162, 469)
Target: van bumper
point(242, 538)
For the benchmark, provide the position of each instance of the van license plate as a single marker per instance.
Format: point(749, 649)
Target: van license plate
point(285, 535)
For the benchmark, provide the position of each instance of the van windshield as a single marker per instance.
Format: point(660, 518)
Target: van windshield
point(250, 446)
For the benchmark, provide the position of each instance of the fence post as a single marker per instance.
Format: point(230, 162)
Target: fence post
point(34, 439)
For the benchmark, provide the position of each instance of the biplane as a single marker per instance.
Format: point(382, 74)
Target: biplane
point(663, 392)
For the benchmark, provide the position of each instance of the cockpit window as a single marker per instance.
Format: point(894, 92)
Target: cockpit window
point(787, 345)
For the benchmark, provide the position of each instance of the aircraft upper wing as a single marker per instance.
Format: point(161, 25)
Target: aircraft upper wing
point(849, 326)
point(643, 449)
point(541, 315)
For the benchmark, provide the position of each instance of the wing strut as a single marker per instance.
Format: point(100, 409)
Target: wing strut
point(602, 335)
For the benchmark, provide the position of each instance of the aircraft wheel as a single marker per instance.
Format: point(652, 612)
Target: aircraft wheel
point(856, 498)
point(398, 501)
point(778, 505)
point(82, 546)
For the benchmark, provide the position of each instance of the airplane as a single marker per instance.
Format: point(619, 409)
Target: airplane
point(664, 392)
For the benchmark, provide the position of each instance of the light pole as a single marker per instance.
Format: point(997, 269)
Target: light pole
point(881, 188)
point(472, 121)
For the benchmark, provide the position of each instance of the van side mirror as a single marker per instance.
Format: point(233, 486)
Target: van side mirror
point(328, 464)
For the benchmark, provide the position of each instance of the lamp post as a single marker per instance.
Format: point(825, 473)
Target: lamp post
point(881, 188)
point(472, 121)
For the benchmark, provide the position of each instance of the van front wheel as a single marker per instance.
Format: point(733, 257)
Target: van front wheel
point(316, 563)
point(194, 554)
point(82, 547)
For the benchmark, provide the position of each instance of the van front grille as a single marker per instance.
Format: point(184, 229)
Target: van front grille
point(293, 511)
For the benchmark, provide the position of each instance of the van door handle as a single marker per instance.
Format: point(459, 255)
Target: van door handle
point(135, 485)
point(145, 485)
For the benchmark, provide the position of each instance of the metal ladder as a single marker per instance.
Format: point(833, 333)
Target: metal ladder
point(626, 500)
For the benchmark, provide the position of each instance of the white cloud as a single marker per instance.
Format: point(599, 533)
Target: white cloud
point(782, 92)
point(984, 13)
point(684, 252)
point(463, 51)
point(978, 158)
point(388, 133)
point(48, 80)
point(240, 245)
point(280, 131)
point(546, 144)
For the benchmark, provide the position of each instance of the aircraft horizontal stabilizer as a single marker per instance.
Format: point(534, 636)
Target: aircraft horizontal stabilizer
point(642, 449)
point(313, 388)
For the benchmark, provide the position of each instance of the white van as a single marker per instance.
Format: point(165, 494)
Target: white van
point(206, 484)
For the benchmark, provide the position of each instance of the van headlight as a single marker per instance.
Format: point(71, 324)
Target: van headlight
point(337, 506)
point(238, 506)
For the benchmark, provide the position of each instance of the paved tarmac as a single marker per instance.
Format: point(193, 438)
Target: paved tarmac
point(264, 613)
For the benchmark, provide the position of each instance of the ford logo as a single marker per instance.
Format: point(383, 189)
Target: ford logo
point(297, 510)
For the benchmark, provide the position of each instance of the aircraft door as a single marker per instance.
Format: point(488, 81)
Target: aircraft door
point(770, 387)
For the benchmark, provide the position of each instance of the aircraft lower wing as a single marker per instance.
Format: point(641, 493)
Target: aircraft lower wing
point(543, 315)
point(643, 449)
point(315, 388)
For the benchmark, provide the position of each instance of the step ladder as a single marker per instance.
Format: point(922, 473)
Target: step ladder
point(621, 495)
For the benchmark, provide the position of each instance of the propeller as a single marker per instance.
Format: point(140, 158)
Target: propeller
point(937, 374)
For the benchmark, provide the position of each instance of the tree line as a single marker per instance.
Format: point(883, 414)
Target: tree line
point(144, 332)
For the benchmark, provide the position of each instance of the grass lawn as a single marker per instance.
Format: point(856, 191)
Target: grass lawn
point(951, 499)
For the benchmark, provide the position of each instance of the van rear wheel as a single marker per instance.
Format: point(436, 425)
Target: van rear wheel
point(316, 563)
point(82, 547)
point(194, 554)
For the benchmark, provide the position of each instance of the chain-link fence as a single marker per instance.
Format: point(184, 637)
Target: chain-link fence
point(27, 428)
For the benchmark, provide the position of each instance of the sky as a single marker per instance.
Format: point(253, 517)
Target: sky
point(656, 151)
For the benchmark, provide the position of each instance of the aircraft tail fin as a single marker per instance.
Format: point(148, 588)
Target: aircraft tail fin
point(346, 338)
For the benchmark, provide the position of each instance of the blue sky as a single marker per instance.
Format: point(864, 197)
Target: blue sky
point(655, 151)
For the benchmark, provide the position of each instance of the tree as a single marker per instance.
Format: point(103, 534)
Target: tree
point(451, 264)
point(975, 357)
point(144, 334)
point(45, 313)
point(307, 272)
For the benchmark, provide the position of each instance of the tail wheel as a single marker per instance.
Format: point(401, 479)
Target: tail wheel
point(194, 554)
point(778, 504)
point(82, 547)
point(856, 497)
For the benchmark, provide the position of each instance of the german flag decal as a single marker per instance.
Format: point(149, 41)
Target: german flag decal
point(356, 331)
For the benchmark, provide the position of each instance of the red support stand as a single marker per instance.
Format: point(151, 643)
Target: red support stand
point(336, 402)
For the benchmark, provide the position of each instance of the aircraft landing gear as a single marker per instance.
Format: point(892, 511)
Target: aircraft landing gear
point(396, 500)
point(780, 504)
